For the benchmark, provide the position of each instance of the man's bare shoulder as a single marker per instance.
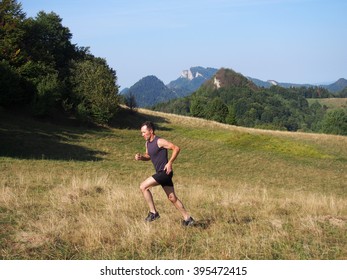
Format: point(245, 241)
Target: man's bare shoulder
point(163, 143)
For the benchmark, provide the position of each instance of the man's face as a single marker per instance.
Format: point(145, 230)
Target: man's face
point(146, 133)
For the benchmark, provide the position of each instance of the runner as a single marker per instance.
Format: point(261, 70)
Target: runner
point(157, 151)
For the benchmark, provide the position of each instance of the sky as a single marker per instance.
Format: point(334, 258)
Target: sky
point(298, 41)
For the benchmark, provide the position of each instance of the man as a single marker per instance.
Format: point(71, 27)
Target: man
point(157, 151)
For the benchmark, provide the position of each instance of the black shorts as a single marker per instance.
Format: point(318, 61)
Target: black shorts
point(163, 179)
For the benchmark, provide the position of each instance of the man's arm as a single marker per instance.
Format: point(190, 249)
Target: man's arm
point(144, 157)
point(162, 143)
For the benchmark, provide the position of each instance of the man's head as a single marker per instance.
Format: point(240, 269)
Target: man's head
point(147, 130)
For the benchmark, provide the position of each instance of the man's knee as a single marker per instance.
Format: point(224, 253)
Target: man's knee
point(172, 197)
point(143, 187)
point(147, 184)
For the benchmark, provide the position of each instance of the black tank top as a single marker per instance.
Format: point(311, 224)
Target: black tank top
point(158, 155)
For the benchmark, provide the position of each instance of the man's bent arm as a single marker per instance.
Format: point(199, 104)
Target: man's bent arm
point(175, 151)
point(145, 157)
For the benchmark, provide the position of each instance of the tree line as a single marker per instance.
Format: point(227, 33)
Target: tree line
point(42, 70)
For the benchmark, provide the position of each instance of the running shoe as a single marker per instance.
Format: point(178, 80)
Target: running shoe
point(188, 223)
point(152, 216)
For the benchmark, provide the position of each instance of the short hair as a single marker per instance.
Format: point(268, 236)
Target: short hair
point(149, 125)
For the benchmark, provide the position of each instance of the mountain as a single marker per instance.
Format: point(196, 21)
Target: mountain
point(149, 91)
point(334, 87)
point(190, 80)
point(124, 91)
point(261, 83)
point(229, 97)
point(339, 85)
point(270, 83)
point(228, 78)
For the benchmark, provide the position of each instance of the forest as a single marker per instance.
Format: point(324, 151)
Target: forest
point(43, 73)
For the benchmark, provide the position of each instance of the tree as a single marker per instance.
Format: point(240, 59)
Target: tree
point(343, 93)
point(198, 107)
point(267, 115)
point(94, 90)
point(11, 32)
point(40, 67)
point(314, 116)
point(231, 117)
point(48, 41)
point(11, 86)
point(130, 101)
point(217, 110)
point(335, 122)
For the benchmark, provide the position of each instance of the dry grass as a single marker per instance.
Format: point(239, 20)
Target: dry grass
point(250, 200)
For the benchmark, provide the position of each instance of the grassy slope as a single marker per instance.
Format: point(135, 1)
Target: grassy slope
point(331, 103)
point(72, 193)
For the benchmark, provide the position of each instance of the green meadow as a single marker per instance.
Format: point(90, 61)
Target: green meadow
point(330, 103)
point(72, 192)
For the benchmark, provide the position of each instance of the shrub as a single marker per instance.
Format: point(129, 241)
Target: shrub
point(335, 122)
point(47, 96)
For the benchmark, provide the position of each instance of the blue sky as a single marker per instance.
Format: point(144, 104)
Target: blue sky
point(300, 41)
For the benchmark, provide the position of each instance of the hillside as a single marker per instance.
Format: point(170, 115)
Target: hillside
point(69, 192)
point(149, 91)
point(330, 103)
point(229, 97)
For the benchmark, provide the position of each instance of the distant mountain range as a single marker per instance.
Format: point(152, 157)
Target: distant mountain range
point(150, 90)
point(334, 87)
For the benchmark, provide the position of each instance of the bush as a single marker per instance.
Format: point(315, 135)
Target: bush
point(335, 122)
point(47, 96)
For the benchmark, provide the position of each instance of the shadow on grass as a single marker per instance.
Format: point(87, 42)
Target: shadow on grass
point(127, 119)
point(24, 137)
point(27, 138)
point(203, 224)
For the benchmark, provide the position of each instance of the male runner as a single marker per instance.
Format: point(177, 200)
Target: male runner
point(157, 151)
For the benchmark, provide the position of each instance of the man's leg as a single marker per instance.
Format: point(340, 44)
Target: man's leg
point(170, 192)
point(144, 187)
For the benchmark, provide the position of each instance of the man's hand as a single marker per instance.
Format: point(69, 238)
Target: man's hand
point(138, 156)
point(144, 157)
point(168, 168)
